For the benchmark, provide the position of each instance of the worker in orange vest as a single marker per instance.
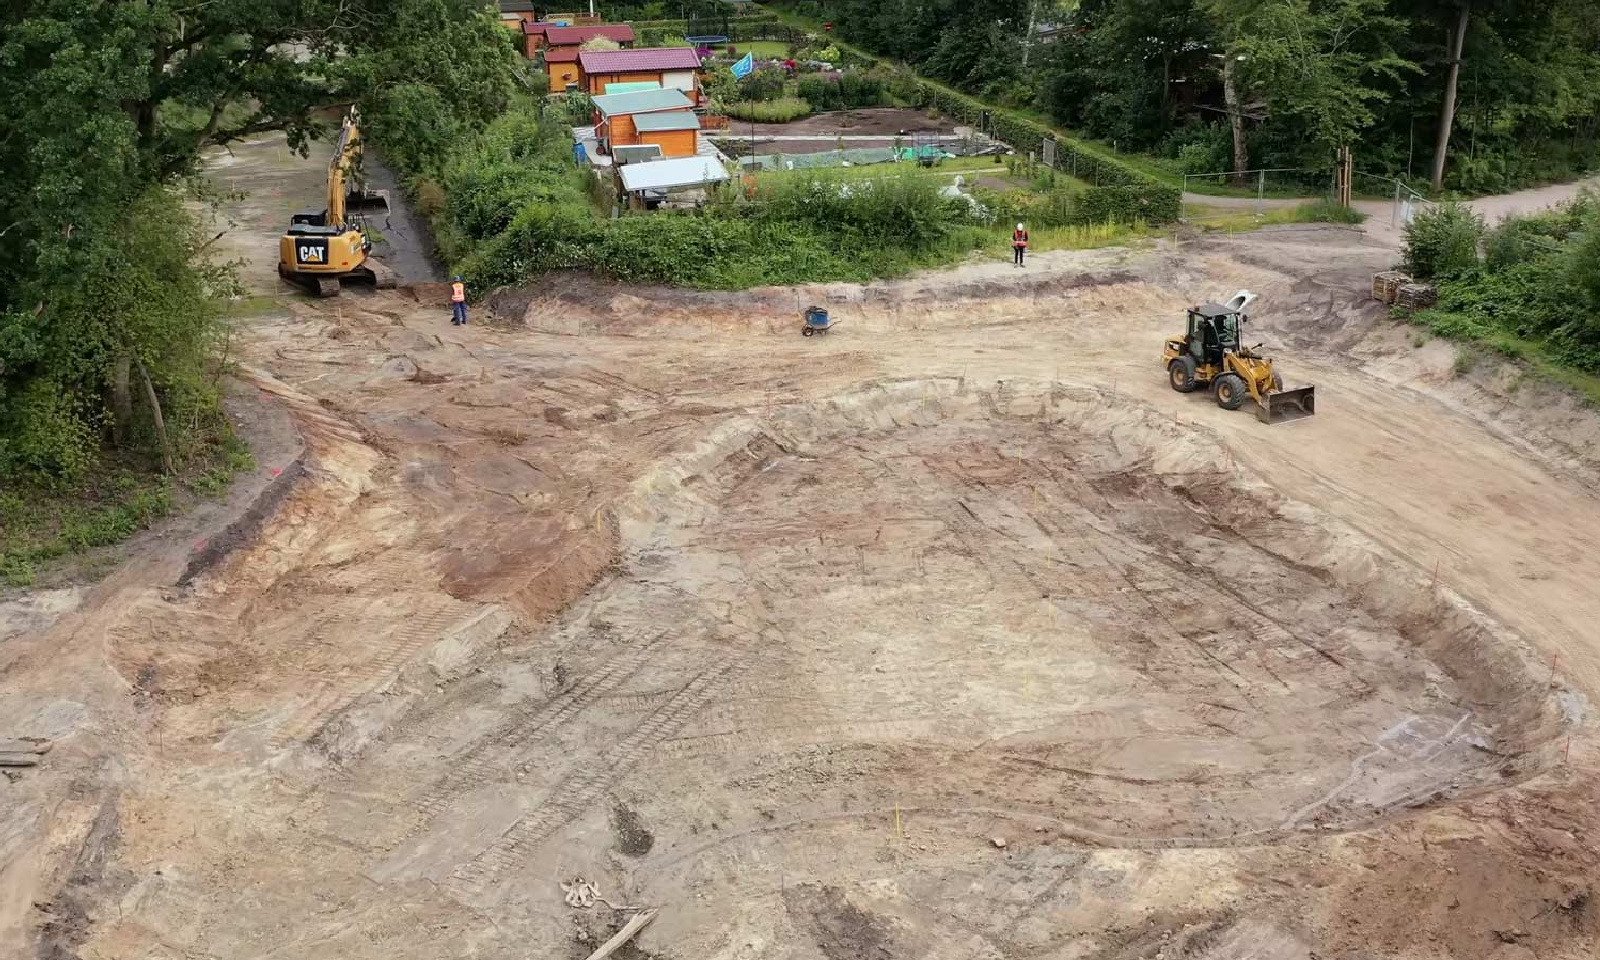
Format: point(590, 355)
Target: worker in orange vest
point(1019, 243)
point(458, 302)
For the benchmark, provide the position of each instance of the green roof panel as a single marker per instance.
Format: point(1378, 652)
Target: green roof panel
point(661, 122)
point(644, 101)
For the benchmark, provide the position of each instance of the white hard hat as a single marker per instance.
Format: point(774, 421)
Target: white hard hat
point(1019, 225)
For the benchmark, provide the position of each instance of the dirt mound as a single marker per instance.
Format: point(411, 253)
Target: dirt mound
point(572, 304)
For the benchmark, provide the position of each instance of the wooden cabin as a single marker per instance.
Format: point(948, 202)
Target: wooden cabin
point(675, 68)
point(663, 117)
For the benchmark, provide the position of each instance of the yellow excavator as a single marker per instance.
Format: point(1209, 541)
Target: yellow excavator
point(323, 250)
point(1210, 353)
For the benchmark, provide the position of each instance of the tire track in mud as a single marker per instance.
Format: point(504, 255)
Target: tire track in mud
point(577, 793)
point(383, 657)
point(516, 737)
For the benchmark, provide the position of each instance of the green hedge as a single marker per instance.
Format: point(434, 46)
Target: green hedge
point(1152, 204)
point(1117, 191)
point(739, 29)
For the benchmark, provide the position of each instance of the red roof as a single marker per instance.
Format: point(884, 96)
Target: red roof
point(646, 58)
point(530, 28)
point(573, 36)
point(561, 55)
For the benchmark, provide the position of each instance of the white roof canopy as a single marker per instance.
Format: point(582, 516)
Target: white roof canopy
point(671, 174)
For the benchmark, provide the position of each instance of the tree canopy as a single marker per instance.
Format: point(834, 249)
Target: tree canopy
point(1309, 75)
point(111, 105)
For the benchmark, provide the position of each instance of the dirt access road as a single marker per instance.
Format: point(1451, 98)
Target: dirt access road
point(1382, 222)
point(953, 633)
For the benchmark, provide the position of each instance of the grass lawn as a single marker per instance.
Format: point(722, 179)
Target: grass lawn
point(1232, 218)
point(1084, 237)
point(948, 169)
point(41, 528)
point(763, 49)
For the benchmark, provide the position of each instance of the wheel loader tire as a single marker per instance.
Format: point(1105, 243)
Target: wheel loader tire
point(1230, 391)
point(1180, 373)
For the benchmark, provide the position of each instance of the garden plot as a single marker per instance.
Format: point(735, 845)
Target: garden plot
point(873, 127)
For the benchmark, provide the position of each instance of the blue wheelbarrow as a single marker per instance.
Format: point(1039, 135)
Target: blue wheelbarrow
point(817, 321)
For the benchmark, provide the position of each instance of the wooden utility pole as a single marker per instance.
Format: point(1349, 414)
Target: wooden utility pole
point(1447, 114)
point(1344, 174)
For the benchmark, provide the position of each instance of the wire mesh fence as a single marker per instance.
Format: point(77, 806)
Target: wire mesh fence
point(1404, 202)
point(1256, 192)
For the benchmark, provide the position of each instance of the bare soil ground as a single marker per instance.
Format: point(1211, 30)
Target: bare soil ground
point(952, 633)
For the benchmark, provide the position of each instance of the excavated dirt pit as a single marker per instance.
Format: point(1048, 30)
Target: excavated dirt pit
point(1026, 656)
point(927, 610)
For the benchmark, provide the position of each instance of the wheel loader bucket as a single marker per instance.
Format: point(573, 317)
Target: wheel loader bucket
point(1282, 406)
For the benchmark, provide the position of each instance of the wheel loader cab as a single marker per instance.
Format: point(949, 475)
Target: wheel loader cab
point(1213, 331)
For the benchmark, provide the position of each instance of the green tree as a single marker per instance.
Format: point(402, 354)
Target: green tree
point(1325, 64)
point(110, 106)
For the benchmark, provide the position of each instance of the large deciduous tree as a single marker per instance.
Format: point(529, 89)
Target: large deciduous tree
point(108, 105)
point(1324, 63)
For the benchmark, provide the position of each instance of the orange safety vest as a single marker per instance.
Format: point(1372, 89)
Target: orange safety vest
point(1019, 238)
point(458, 293)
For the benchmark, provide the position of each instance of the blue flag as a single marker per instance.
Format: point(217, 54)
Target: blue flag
point(744, 67)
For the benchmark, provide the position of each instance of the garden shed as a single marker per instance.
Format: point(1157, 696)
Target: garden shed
point(677, 133)
point(617, 114)
point(676, 68)
point(562, 67)
point(648, 185)
point(514, 13)
point(533, 38)
point(576, 37)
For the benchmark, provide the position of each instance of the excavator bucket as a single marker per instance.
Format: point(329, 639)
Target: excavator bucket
point(1281, 406)
point(367, 202)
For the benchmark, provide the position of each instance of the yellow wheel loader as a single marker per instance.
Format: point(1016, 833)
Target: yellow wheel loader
point(322, 250)
point(1211, 354)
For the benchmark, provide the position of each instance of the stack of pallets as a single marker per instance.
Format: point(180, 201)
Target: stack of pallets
point(1386, 285)
point(1416, 296)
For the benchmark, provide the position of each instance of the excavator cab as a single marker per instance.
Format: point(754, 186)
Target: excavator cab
point(1211, 353)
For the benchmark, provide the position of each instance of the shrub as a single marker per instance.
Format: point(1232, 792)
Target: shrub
point(1199, 147)
point(1442, 242)
point(901, 210)
point(719, 85)
point(1326, 211)
point(848, 91)
point(764, 84)
point(821, 91)
point(1128, 204)
point(782, 110)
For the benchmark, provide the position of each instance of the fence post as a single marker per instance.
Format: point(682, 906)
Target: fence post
point(1394, 211)
point(1261, 192)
